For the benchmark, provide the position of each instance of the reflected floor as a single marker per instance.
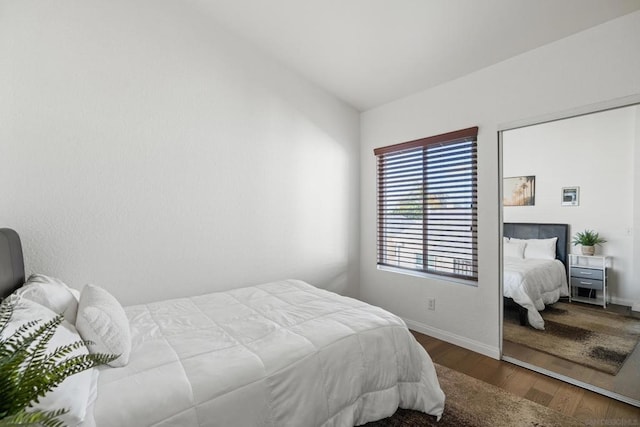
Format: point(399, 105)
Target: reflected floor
point(626, 382)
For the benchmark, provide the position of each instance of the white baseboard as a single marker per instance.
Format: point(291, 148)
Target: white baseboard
point(623, 301)
point(478, 347)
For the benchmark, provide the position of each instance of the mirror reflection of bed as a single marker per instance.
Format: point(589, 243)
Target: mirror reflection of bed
point(593, 155)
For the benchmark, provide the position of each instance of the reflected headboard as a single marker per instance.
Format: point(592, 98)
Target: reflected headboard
point(526, 230)
point(11, 262)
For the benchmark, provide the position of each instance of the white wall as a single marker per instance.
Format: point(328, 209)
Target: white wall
point(595, 153)
point(146, 150)
point(636, 210)
point(589, 67)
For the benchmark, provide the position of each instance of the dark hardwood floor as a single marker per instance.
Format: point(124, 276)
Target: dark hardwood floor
point(589, 407)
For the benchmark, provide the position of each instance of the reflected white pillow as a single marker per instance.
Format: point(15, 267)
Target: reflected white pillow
point(52, 293)
point(102, 319)
point(539, 248)
point(76, 392)
point(514, 249)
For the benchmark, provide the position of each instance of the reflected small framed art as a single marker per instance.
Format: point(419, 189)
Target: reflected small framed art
point(570, 196)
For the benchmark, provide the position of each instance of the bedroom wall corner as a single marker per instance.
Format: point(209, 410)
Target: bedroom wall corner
point(592, 66)
point(147, 150)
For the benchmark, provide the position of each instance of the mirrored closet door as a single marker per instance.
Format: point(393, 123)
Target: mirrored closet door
point(580, 175)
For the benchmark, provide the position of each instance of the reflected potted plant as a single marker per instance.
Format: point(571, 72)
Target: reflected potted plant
point(588, 239)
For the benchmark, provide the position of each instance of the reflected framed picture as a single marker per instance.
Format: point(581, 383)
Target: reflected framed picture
point(570, 196)
point(519, 191)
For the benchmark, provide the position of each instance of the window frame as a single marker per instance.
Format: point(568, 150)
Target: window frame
point(454, 140)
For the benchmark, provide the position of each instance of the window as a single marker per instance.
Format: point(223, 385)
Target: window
point(427, 205)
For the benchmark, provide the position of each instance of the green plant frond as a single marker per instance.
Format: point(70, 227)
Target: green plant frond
point(40, 382)
point(29, 377)
point(10, 369)
point(6, 312)
point(56, 359)
point(48, 330)
point(103, 358)
point(18, 340)
point(34, 418)
point(60, 353)
point(82, 362)
point(28, 370)
point(16, 353)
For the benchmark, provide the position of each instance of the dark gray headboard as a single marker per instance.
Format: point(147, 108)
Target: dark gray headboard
point(11, 262)
point(526, 230)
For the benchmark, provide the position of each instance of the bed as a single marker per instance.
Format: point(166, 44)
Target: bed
point(277, 354)
point(534, 273)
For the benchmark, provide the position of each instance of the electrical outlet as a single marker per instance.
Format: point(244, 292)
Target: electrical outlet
point(431, 303)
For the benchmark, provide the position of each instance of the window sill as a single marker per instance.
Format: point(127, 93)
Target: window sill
point(427, 275)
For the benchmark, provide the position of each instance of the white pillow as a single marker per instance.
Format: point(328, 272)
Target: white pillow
point(514, 249)
point(75, 392)
point(102, 319)
point(539, 248)
point(52, 293)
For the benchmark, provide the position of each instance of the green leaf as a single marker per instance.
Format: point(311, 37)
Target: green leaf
point(34, 418)
point(28, 370)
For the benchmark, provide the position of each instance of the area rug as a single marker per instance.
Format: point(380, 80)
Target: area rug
point(588, 336)
point(474, 403)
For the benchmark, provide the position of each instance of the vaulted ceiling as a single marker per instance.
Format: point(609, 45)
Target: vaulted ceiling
point(370, 52)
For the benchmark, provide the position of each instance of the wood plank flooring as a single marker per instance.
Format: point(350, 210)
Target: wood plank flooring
point(589, 407)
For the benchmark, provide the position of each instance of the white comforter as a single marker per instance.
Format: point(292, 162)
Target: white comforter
point(279, 354)
point(533, 283)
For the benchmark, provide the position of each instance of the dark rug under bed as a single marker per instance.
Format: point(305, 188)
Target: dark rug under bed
point(474, 403)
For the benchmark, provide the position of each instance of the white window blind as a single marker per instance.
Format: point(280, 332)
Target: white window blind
point(427, 205)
